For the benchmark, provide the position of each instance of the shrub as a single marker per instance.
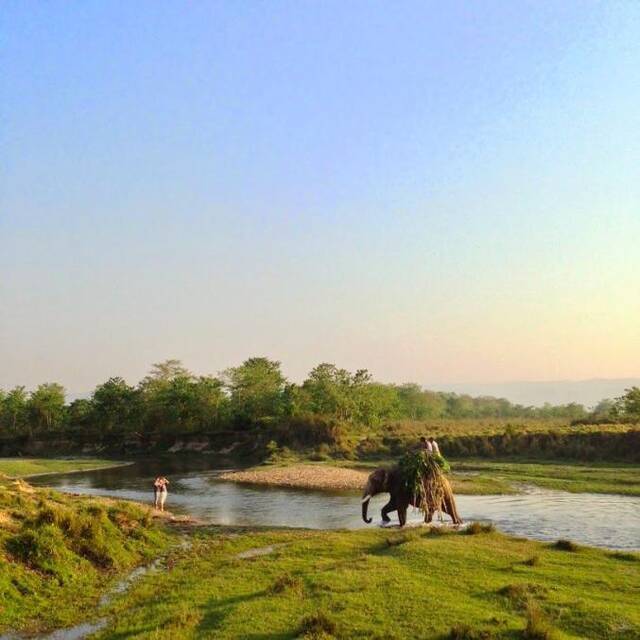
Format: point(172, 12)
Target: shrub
point(322, 453)
point(537, 627)
point(308, 430)
point(402, 538)
point(439, 531)
point(520, 594)
point(566, 545)
point(479, 527)
point(627, 557)
point(286, 582)
point(317, 625)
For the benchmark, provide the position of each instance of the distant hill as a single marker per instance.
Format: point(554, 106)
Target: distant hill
point(585, 392)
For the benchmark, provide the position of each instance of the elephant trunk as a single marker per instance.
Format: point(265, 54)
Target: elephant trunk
point(365, 507)
point(366, 497)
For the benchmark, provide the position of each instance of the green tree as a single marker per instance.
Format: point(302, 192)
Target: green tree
point(256, 390)
point(212, 403)
point(329, 392)
point(166, 382)
point(418, 404)
point(80, 413)
point(14, 411)
point(115, 405)
point(605, 409)
point(165, 372)
point(376, 402)
point(185, 404)
point(628, 405)
point(47, 406)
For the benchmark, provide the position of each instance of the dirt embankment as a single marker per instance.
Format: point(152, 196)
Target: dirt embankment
point(301, 477)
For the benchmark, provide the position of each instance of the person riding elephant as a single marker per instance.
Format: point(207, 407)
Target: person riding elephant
point(391, 481)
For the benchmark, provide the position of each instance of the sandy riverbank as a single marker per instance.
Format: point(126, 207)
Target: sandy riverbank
point(301, 477)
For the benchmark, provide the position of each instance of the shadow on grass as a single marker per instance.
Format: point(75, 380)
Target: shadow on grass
point(216, 611)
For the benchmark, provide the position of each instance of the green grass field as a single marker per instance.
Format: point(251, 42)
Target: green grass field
point(456, 427)
point(59, 553)
point(381, 584)
point(24, 467)
point(576, 478)
point(476, 477)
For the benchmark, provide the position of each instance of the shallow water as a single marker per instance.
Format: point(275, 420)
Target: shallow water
point(609, 521)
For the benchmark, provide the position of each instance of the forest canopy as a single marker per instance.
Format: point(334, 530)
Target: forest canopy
point(171, 398)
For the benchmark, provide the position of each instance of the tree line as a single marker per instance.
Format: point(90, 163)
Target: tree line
point(172, 399)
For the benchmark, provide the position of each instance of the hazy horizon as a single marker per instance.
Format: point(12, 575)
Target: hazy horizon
point(434, 193)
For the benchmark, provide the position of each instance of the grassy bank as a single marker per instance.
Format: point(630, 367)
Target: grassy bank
point(24, 467)
point(476, 477)
point(382, 584)
point(59, 553)
point(576, 478)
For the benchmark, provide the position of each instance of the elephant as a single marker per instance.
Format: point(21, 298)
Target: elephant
point(384, 480)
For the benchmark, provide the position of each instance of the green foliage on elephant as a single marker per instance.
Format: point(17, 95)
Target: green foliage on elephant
point(423, 478)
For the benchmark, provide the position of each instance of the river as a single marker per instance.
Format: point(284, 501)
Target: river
point(601, 520)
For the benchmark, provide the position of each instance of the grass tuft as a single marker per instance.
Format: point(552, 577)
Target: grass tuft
point(402, 538)
point(479, 527)
point(533, 561)
point(520, 594)
point(626, 557)
point(439, 531)
point(318, 626)
point(538, 628)
point(286, 582)
point(566, 545)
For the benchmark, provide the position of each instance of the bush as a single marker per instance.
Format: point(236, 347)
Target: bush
point(520, 594)
point(627, 557)
point(402, 538)
point(537, 626)
point(479, 527)
point(322, 453)
point(317, 625)
point(566, 545)
point(305, 431)
point(286, 582)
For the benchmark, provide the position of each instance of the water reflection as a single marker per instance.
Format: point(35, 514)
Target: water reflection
point(600, 520)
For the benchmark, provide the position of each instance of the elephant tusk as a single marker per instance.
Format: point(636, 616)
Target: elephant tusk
point(367, 497)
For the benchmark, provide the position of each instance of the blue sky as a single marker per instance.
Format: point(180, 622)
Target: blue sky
point(439, 192)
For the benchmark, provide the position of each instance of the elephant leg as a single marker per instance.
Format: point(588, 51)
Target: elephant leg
point(402, 514)
point(451, 511)
point(388, 508)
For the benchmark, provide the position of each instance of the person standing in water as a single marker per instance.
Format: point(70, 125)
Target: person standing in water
point(160, 492)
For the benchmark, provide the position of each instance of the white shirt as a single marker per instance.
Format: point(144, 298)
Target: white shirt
point(434, 447)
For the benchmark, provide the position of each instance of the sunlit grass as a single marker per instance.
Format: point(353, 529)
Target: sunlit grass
point(59, 552)
point(24, 467)
point(377, 584)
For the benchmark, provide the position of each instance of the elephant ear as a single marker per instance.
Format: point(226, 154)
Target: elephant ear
point(378, 479)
